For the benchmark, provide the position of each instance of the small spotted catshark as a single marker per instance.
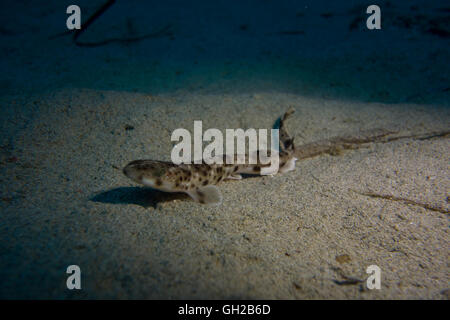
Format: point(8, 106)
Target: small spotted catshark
point(199, 180)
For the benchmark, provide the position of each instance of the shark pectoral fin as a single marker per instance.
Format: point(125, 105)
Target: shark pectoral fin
point(269, 171)
point(208, 194)
point(234, 177)
point(289, 166)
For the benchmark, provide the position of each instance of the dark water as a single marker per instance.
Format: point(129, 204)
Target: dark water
point(315, 48)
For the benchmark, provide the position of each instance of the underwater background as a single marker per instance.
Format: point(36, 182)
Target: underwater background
point(74, 112)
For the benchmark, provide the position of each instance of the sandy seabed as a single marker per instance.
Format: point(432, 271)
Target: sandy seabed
point(302, 234)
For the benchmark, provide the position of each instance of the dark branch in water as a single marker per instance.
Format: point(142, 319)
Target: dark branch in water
point(92, 18)
point(165, 31)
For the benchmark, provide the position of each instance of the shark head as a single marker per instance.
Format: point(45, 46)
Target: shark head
point(148, 172)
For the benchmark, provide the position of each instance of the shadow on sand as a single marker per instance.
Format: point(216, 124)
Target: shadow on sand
point(145, 197)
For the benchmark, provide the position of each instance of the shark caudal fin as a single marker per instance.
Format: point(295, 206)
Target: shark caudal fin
point(286, 142)
point(287, 147)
